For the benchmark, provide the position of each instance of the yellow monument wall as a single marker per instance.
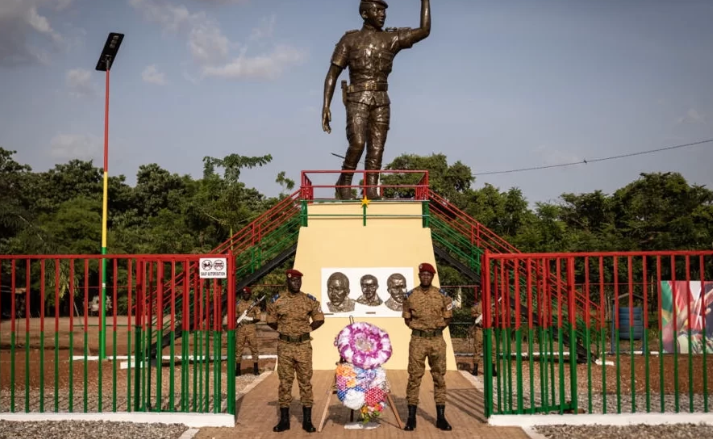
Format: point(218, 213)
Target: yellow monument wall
point(396, 240)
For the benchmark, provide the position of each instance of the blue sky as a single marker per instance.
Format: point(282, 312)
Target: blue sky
point(497, 85)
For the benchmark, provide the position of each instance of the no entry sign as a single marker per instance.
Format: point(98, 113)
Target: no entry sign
point(213, 268)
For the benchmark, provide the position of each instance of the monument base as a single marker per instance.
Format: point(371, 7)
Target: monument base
point(338, 236)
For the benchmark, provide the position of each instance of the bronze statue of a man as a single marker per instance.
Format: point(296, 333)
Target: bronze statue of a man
point(369, 53)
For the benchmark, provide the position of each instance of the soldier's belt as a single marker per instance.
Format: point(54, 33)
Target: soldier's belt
point(368, 86)
point(294, 338)
point(427, 334)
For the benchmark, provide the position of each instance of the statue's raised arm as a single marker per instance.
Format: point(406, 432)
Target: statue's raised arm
point(424, 30)
point(368, 53)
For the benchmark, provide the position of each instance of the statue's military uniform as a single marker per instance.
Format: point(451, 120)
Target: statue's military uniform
point(247, 332)
point(428, 309)
point(292, 314)
point(369, 54)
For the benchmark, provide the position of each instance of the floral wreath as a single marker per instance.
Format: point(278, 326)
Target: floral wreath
point(360, 380)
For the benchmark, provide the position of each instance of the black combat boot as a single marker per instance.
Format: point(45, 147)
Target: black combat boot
point(411, 421)
point(238, 372)
point(475, 369)
point(441, 418)
point(256, 369)
point(307, 420)
point(284, 423)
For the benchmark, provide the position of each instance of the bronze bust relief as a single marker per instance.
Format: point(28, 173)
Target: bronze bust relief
point(338, 293)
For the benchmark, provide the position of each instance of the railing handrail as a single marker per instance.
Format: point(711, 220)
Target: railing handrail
point(505, 247)
point(561, 255)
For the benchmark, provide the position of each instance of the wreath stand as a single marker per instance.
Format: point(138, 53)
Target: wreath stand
point(333, 391)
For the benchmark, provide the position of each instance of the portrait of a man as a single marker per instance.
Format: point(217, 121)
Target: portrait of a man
point(369, 288)
point(338, 293)
point(396, 287)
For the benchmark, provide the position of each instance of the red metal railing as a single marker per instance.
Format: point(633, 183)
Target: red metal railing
point(261, 226)
point(671, 289)
point(486, 239)
point(307, 189)
point(55, 287)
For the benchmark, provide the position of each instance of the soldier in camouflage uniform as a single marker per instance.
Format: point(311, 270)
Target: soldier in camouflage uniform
point(289, 313)
point(369, 53)
point(247, 332)
point(427, 311)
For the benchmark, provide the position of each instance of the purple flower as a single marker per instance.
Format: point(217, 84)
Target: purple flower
point(363, 344)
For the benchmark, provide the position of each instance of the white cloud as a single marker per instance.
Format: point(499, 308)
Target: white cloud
point(207, 43)
point(267, 66)
point(224, 2)
point(20, 24)
point(153, 76)
point(172, 18)
point(692, 116)
point(76, 146)
point(265, 30)
point(80, 84)
point(210, 48)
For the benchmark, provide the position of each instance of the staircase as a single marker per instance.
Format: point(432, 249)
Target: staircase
point(464, 238)
point(258, 249)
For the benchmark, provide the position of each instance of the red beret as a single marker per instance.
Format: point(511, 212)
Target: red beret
point(293, 273)
point(427, 268)
point(247, 290)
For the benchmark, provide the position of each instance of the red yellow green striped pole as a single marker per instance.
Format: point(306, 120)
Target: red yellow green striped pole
point(105, 208)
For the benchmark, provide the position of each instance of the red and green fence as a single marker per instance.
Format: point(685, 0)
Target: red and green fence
point(644, 349)
point(51, 327)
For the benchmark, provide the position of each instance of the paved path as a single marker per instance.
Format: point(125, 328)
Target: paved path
point(257, 412)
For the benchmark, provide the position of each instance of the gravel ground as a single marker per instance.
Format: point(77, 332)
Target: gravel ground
point(509, 387)
point(684, 405)
point(88, 429)
point(121, 401)
point(679, 431)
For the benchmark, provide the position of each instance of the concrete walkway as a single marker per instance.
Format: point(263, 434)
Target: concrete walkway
point(257, 412)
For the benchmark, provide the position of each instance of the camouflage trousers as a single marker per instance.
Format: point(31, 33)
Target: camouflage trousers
point(421, 348)
point(477, 345)
point(294, 358)
point(247, 335)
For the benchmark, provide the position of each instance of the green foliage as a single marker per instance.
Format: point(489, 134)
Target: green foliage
point(59, 211)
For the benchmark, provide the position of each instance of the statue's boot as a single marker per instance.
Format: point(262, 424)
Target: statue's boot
point(372, 193)
point(344, 193)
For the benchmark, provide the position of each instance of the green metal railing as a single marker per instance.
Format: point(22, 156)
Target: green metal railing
point(48, 343)
point(642, 367)
point(458, 246)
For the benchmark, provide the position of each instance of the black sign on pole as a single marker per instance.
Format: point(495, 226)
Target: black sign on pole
point(111, 47)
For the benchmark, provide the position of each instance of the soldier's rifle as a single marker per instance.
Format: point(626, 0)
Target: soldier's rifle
point(480, 317)
point(244, 315)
